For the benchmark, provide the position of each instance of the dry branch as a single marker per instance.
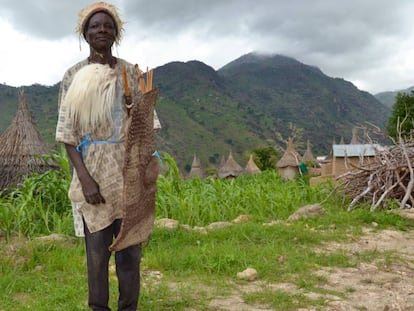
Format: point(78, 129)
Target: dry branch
point(390, 176)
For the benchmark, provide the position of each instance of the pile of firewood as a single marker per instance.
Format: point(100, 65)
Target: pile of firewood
point(389, 177)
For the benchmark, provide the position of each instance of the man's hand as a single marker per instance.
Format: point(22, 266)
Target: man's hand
point(90, 189)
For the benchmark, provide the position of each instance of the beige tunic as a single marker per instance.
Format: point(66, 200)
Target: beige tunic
point(103, 160)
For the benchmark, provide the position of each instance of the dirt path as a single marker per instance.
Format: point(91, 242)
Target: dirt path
point(386, 285)
point(382, 285)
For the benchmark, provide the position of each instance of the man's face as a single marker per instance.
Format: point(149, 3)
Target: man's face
point(100, 32)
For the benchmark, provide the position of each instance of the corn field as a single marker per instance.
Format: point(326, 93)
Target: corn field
point(39, 205)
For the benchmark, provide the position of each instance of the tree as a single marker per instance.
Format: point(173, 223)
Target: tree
point(402, 117)
point(295, 133)
point(265, 157)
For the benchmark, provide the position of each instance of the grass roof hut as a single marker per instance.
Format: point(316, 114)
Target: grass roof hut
point(308, 155)
point(21, 144)
point(230, 168)
point(355, 139)
point(251, 167)
point(222, 162)
point(288, 165)
point(196, 169)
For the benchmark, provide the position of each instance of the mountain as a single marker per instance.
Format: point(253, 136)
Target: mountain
point(237, 108)
point(199, 115)
point(278, 89)
point(388, 98)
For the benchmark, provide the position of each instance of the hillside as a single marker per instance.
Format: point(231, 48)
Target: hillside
point(199, 115)
point(388, 98)
point(238, 107)
point(278, 89)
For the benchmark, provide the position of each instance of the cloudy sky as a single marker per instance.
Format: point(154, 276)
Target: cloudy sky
point(367, 42)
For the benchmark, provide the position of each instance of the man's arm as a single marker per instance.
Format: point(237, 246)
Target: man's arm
point(90, 187)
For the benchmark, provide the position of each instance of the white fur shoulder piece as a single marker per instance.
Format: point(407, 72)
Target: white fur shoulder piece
point(90, 96)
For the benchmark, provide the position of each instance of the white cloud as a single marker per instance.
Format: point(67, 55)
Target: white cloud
point(28, 60)
point(369, 43)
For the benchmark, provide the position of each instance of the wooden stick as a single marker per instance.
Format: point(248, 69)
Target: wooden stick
point(144, 87)
point(125, 82)
point(141, 81)
point(411, 182)
point(149, 80)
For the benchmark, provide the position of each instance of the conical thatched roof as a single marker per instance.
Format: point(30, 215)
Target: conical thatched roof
point(230, 168)
point(308, 155)
point(21, 144)
point(196, 169)
point(222, 162)
point(290, 157)
point(355, 139)
point(251, 167)
point(330, 155)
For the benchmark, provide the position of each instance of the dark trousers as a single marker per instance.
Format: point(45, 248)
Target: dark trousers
point(127, 263)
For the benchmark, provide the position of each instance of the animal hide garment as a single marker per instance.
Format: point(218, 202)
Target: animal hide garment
point(90, 97)
point(140, 173)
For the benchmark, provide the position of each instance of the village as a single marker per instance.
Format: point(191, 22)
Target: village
point(342, 158)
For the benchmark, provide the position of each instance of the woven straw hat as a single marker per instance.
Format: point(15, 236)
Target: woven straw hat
point(86, 13)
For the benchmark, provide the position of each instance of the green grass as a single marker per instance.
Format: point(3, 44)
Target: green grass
point(280, 300)
point(43, 276)
point(196, 268)
point(39, 205)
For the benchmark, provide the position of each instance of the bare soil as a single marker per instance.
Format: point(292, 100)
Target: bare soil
point(385, 285)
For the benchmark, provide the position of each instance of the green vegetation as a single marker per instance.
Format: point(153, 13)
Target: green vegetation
point(402, 118)
point(388, 98)
point(266, 157)
point(40, 205)
point(37, 274)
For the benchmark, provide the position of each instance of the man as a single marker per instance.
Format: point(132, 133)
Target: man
point(93, 118)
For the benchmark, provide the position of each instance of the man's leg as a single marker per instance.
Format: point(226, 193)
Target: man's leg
point(97, 255)
point(127, 269)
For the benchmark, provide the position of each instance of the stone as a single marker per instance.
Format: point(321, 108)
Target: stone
point(242, 218)
point(186, 227)
point(201, 230)
point(53, 237)
point(218, 225)
point(249, 274)
point(167, 223)
point(307, 211)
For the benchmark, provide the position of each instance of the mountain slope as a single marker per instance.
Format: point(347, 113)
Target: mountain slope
point(198, 115)
point(237, 108)
point(282, 90)
point(388, 98)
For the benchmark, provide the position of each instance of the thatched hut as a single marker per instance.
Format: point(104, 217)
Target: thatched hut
point(308, 155)
point(355, 139)
point(230, 168)
point(196, 169)
point(222, 162)
point(251, 167)
point(288, 165)
point(21, 146)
